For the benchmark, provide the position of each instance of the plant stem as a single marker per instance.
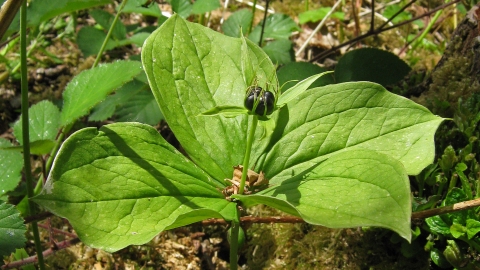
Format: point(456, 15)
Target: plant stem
point(254, 7)
point(234, 245)
point(25, 128)
point(234, 240)
point(109, 34)
point(263, 24)
point(253, 127)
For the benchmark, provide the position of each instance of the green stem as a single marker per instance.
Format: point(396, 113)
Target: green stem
point(234, 241)
point(254, 7)
point(109, 34)
point(25, 129)
point(251, 135)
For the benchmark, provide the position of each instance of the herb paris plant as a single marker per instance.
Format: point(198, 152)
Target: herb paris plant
point(337, 156)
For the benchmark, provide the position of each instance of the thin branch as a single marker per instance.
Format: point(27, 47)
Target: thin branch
point(58, 231)
point(446, 209)
point(378, 31)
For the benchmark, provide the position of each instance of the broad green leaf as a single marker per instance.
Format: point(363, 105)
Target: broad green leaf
point(92, 86)
point(473, 227)
point(227, 111)
point(363, 115)
point(318, 14)
point(204, 6)
point(42, 10)
point(90, 39)
point(291, 73)
point(437, 225)
point(123, 184)
point(420, 203)
point(239, 21)
point(369, 64)
point(40, 147)
point(298, 89)
point(392, 10)
point(12, 230)
point(277, 26)
point(182, 7)
point(280, 51)
point(43, 120)
point(11, 164)
point(105, 19)
point(457, 230)
point(139, 38)
point(192, 69)
point(107, 107)
point(352, 188)
point(142, 108)
point(137, 6)
point(456, 195)
point(439, 259)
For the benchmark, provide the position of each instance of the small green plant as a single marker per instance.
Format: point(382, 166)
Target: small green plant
point(338, 155)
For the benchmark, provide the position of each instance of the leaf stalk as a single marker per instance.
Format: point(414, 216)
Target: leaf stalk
point(251, 135)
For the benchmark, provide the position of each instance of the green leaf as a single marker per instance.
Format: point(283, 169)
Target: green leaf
point(182, 7)
point(438, 225)
point(369, 64)
point(457, 230)
point(349, 189)
point(337, 117)
point(318, 14)
point(290, 72)
point(43, 121)
point(12, 230)
point(392, 9)
point(90, 39)
point(280, 51)
point(192, 69)
point(277, 26)
point(227, 111)
point(107, 107)
point(11, 164)
point(142, 108)
point(298, 89)
point(42, 10)
point(420, 203)
point(105, 19)
point(456, 195)
point(136, 6)
point(239, 20)
point(40, 147)
point(204, 6)
point(139, 38)
point(473, 227)
point(92, 86)
point(439, 259)
point(131, 183)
